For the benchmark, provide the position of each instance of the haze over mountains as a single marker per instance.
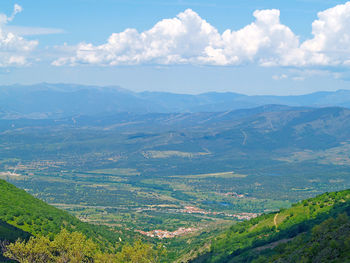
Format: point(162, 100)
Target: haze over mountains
point(62, 100)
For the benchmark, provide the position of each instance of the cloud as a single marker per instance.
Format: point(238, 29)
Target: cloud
point(14, 49)
point(331, 42)
point(4, 19)
point(279, 77)
point(32, 31)
point(183, 39)
point(189, 39)
point(265, 41)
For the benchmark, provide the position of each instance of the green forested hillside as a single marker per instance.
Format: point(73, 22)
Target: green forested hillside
point(326, 242)
point(32, 231)
point(31, 215)
point(314, 230)
point(10, 233)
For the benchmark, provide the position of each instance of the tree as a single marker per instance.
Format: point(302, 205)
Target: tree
point(140, 253)
point(74, 247)
point(37, 250)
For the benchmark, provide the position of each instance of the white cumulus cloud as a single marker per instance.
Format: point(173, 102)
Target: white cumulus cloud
point(183, 39)
point(331, 42)
point(14, 49)
point(189, 39)
point(265, 41)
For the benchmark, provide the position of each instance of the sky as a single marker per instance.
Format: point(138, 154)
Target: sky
point(186, 46)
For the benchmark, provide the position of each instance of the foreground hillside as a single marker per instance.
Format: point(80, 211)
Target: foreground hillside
point(32, 231)
point(314, 230)
point(10, 234)
point(22, 215)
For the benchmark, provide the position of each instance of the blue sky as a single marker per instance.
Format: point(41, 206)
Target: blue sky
point(285, 48)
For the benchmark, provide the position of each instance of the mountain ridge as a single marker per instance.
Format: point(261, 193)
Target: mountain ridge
point(46, 100)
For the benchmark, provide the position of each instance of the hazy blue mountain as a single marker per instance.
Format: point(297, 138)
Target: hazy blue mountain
point(59, 100)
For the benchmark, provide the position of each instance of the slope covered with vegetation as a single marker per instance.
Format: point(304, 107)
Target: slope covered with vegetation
point(33, 231)
point(313, 230)
point(326, 242)
point(75, 247)
point(31, 215)
point(10, 233)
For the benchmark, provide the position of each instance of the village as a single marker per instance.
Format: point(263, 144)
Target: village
point(192, 210)
point(167, 234)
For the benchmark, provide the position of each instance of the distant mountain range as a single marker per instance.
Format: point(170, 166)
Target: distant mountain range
point(266, 138)
point(61, 100)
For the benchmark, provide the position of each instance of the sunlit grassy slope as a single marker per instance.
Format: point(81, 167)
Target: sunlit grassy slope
point(316, 228)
